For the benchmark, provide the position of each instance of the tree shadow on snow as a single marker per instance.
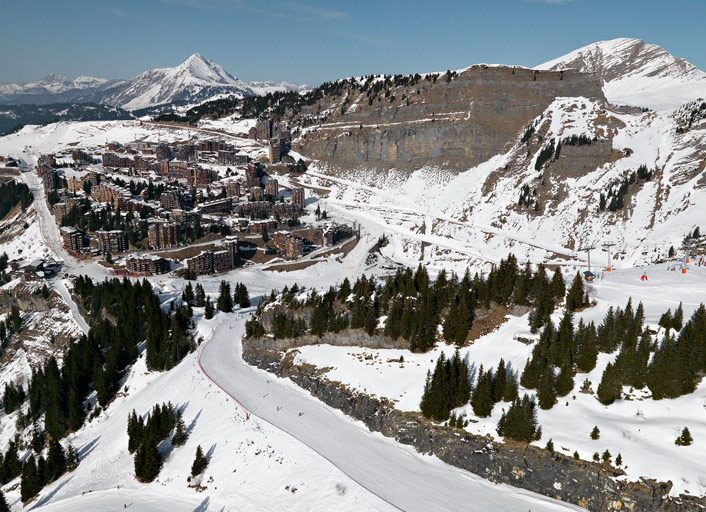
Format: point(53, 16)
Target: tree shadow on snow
point(87, 448)
point(44, 499)
point(192, 425)
point(203, 506)
point(210, 451)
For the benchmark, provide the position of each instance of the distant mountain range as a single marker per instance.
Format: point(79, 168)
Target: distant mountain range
point(194, 80)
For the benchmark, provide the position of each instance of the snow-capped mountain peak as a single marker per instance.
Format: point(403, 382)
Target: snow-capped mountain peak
point(637, 73)
point(201, 68)
point(195, 79)
point(621, 57)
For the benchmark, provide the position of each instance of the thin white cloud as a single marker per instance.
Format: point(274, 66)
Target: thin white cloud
point(551, 2)
point(115, 12)
point(272, 8)
point(363, 38)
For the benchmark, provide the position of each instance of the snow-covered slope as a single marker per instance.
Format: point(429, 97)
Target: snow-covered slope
point(642, 430)
point(444, 218)
point(253, 466)
point(637, 73)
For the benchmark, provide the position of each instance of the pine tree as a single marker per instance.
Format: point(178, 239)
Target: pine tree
point(209, 311)
point(225, 301)
point(199, 296)
point(619, 460)
point(56, 461)
point(71, 458)
point(678, 318)
point(546, 392)
point(586, 347)
point(200, 462)
point(499, 382)
point(482, 398)
point(595, 433)
point(29, 484)
point(550, 445)
point(558, 285)
point(511, 388)
point(606, 457)
point(242, 297)
point(147, 460)
point(188, 294)
point(666, 321)
point(180, 434)
point(610, 388)
point(684, 438)
point(462, 388)
point(531, 373)
point(135, 428)
point(576, 455)
point(344, 291)
point(575, 297)
point(4, 507)
point(520, 421)
point(565, 380)
point(425, 406)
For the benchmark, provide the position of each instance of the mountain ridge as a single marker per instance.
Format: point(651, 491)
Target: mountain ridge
point(636, 73)
point(193, 80)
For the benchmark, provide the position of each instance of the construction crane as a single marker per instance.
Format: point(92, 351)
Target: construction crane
point(606, 247)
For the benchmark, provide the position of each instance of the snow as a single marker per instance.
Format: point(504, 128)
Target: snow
point(396, 473)
point(442, 220)
point(252, 464)
point(636, 73)
point(472, 217)
point(53, 84)
point(195, 79)
point(641, 429)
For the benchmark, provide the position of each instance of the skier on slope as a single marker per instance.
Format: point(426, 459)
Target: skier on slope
point(643, 277)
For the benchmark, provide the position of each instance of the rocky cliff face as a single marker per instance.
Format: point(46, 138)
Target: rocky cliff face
point(453, 122)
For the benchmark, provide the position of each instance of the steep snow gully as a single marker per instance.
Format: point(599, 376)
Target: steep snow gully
point(395, 473)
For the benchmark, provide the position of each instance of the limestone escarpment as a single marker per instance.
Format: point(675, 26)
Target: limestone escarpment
point(454, 123)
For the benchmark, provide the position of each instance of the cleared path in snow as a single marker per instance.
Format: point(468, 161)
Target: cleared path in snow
point(392, 471)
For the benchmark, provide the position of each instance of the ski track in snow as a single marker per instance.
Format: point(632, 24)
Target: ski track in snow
point(395, 473)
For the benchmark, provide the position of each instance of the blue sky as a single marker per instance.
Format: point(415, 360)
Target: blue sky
point(315, 40)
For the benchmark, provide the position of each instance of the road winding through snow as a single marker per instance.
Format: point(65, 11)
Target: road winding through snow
point(394, 472)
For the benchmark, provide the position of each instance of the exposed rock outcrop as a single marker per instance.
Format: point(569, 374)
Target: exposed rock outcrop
point(455, 124)
point(584, 483)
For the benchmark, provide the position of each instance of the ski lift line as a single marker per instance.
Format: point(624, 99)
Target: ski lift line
point(587, 250)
